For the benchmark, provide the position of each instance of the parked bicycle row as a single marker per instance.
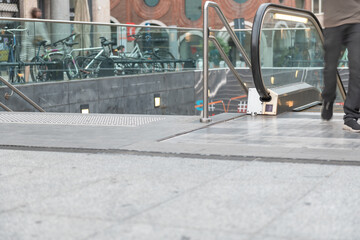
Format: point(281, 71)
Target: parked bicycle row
point(53, 61)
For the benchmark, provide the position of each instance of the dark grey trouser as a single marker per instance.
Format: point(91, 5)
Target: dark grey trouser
point(347, 35)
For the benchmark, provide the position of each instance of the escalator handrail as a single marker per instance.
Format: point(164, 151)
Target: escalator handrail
point(255, 45)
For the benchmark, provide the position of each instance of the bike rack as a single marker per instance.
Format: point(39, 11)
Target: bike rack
point(22, 64)
point(205, 118)
point(22, 95)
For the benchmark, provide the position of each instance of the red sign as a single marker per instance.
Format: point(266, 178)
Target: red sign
point(130, 31)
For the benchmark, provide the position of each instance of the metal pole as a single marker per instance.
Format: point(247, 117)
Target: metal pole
point(17, 91)
point(205, 117)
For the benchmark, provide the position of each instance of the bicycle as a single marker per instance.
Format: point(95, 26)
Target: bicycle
point(160, 60)
point(90, 66)
point(15, 75)
point(61, 57)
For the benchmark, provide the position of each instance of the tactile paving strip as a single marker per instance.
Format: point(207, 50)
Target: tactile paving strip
point(78, 119)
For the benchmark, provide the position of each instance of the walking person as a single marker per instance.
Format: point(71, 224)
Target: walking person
point(342, 28)
point(37, 32)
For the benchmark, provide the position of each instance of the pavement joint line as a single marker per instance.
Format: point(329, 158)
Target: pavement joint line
point(242, 158)
point(200, 128)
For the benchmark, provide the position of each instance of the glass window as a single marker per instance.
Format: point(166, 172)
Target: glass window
point(151, 3)
point(193, 9)
point(317, 6)
point(299, 3)
point(240, 1)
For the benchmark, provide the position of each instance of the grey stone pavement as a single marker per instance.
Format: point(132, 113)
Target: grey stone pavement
point(69, 176)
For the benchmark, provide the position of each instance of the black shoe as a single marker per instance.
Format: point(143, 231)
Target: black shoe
point(352, 125)
point(327, 110)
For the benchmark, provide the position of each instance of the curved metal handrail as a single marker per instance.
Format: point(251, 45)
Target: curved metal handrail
point(255, 44)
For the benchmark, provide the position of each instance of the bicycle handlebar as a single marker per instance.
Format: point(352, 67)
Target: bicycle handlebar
point(140, 36)
point(63, 40)
point(14, 30)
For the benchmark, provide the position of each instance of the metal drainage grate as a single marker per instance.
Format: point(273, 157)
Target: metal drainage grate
point(78, 119)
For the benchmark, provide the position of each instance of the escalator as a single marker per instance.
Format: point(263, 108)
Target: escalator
point(287, 62)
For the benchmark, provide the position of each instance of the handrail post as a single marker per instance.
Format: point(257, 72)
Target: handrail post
point(205, 116)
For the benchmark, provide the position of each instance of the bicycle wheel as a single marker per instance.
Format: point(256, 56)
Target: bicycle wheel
point(166, 56)
point(152, 66)
point(106, 68)
point(90, 66)
point(71, 69)
point(38, 71)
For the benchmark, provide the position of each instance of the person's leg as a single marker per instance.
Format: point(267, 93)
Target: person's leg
point(352, 102)
point(333, 38)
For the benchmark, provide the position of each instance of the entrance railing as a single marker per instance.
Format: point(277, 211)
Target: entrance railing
point(21, 94)
point(205, 117)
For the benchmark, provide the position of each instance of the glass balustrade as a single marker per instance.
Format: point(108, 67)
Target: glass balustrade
point(37, 52)
point(288, 49)
point(43, 51)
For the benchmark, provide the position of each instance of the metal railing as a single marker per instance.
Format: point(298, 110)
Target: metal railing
point(22, 95)
point(205, 117)
point(95, 23)
point(6, 108)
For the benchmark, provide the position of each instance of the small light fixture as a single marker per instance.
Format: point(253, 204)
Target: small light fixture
point(272, 80)
point(296, 73)
point(157, 100)
point(84, 109)
point(290, 103)
point(292, 18)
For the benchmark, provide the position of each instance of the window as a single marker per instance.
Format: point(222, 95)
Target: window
point(299, 3)
point(193, 9)
point(240, 1)
point(316, 6)
point(151, 3)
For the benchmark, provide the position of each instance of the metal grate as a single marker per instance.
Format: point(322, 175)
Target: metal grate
point(77, 119)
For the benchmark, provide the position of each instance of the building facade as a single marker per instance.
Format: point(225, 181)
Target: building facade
point(64, 9)
point(188, 13)
point(9, 8)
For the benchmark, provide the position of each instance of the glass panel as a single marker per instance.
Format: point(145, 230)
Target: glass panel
point(115, 57)
point(316, 6)
point(11, 45)
point(291, 51)
point(225, 92)
point(240, 1)
point(151, 3)
point(299, 3)
point(193, 9)
point(228, 45)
